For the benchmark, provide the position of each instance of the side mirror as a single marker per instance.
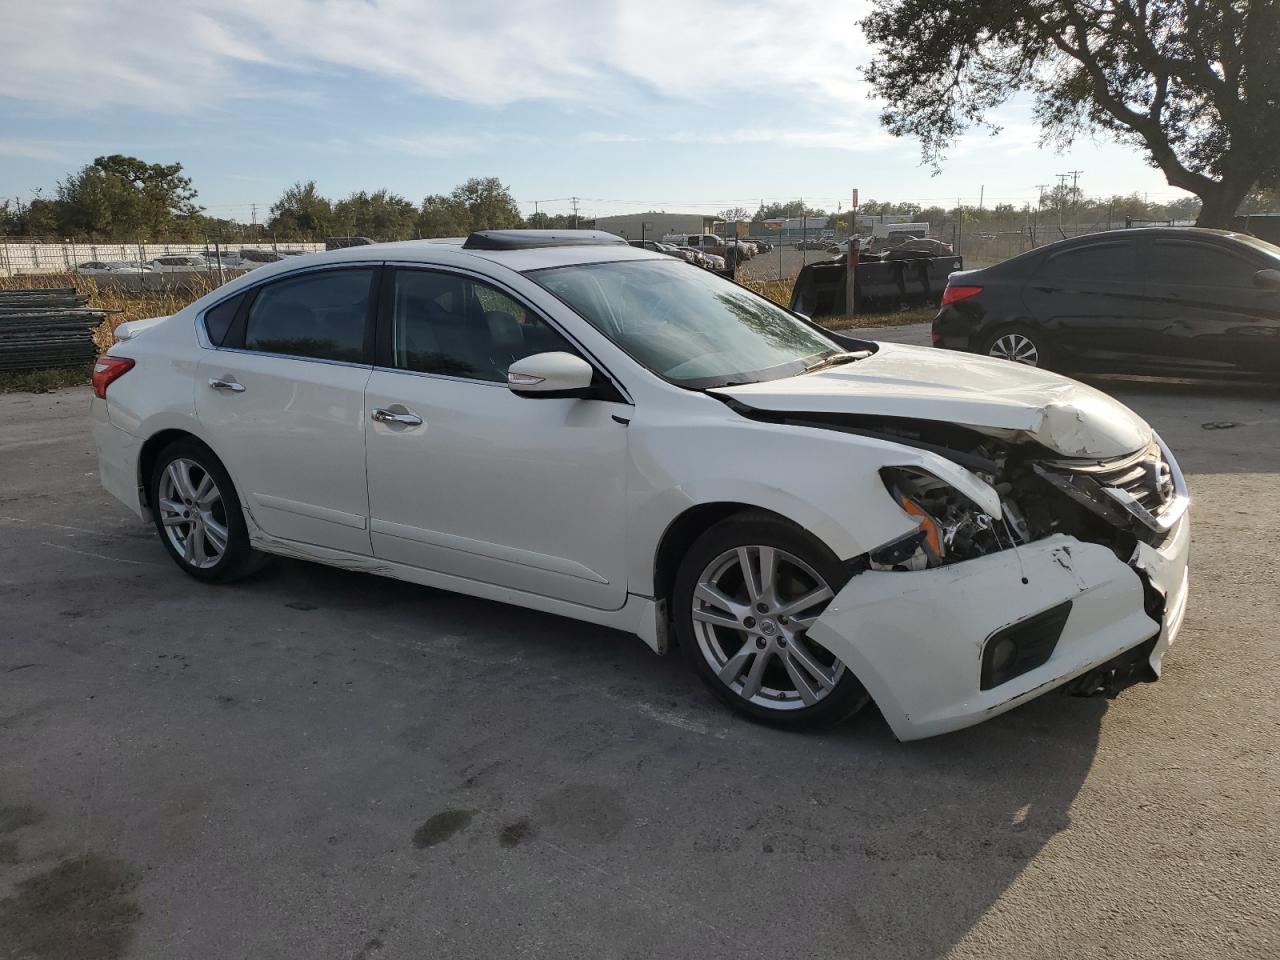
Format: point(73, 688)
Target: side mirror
point(1267, 279)
point(551, 375)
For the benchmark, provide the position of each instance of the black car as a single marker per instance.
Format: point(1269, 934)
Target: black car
point(1160, 298)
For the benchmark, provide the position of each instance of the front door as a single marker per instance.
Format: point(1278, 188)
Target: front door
point(281, 399)
point(1207, 312)
point(466, 478)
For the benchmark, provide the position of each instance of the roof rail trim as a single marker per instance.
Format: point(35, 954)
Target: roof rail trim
point(533, 239)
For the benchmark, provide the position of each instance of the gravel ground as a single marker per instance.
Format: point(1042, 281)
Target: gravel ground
point(325, 764)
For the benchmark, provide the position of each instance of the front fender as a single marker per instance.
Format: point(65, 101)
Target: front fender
point(826, 481)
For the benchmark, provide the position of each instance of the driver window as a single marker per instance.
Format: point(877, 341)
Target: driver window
point(448, 324)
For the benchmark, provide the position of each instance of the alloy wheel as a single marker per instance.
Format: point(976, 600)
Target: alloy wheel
point(752, 609)
point(1016, 347)
point(192, 513)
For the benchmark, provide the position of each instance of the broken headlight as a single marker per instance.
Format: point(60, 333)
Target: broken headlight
point(949, 526)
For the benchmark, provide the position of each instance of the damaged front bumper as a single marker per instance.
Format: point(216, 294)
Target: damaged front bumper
point(916, 639)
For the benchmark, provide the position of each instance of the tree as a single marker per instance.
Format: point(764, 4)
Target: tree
point(1193, 82)
point(793, 208)
point(1262, 201)
point(301, 213)
point(735, 214)
point(482, 203)
point(124, 198)
point(381, 215)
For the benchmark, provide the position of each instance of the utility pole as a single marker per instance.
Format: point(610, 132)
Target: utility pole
point(982, 192)
point(1075, 196)
point(253, 218)
point(1035, 223)
point(575, 212)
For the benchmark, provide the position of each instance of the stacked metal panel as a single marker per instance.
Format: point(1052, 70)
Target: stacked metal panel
point(42, 329)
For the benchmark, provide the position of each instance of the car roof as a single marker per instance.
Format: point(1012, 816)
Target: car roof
point(448, 251)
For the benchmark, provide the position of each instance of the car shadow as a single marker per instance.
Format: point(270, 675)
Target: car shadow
point(729, 834)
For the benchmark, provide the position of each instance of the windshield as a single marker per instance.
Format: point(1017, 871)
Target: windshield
point(685, 324)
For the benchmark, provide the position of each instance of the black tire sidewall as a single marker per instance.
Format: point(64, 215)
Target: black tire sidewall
point(239, 558)
point(749, 529)
point(1045, 353)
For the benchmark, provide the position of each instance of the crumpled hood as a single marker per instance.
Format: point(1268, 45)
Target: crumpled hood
point(990, 395)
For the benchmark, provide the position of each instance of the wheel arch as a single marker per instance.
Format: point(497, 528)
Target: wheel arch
point(685, 528)
point(150, 453)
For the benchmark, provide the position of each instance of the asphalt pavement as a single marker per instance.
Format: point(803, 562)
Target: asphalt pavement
point(318, 763)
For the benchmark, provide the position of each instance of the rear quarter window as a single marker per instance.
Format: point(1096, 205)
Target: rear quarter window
point(218, 320)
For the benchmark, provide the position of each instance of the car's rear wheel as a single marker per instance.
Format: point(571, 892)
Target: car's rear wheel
point(745, 596)
point(1021, 344)
point(197, 514)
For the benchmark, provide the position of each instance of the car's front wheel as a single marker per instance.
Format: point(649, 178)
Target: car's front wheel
point(1021, 344)
point(745, 596)
point(197, 514)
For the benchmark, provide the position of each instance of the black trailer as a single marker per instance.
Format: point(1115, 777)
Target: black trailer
point(894, 279)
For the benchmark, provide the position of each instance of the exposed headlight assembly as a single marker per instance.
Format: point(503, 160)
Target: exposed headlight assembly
point(950, 526)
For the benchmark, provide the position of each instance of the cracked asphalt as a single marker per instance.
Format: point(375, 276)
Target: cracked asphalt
point(318, 763)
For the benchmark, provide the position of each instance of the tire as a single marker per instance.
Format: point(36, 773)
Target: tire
point(1016, 341)
point(197, 514)
point(771, 669)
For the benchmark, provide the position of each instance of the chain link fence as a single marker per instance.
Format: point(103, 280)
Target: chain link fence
point(19, 256)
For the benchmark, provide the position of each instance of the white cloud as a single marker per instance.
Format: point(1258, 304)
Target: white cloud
point(168, 57)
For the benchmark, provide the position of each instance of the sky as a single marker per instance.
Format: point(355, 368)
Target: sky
point(629, 105)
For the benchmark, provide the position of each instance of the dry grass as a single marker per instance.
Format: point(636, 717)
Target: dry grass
point(779, 291)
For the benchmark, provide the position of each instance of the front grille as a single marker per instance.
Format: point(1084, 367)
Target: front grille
point(1138, 489)
point(1146, 478)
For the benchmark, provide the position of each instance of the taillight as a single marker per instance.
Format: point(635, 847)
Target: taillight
point(952, 294)
point(107, 371)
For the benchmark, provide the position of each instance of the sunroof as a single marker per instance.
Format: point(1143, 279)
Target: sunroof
point(532, 239)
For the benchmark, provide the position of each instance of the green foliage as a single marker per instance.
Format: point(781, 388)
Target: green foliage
point(114, 198)
point(1193, 82)
point(301, 214)
point(793, 208)
point(381, 215)
point(482, 203)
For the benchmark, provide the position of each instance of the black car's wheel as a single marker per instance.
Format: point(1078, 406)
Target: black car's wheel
point(1019, 343)
point(197, 514)
point(745, 596)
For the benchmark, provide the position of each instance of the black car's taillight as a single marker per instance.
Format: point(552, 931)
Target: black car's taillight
point(952, 294)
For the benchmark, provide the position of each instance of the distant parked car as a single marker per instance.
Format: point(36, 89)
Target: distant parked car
point(1157, 298)
point(814, 244)
point(97, 268)
point(179, 263)
point(258, 257)
point(764, 246)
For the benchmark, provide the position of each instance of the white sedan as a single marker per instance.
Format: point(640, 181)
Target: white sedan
point(560, 421)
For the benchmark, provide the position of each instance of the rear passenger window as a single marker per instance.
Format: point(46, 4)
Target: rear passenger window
point(217, 320)
point(1199, 264)
point(1099, 261)
point(321, 315)
point(451, 325)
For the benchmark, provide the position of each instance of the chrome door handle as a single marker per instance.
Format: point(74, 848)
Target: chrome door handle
point(390, 416)
point(231, 385)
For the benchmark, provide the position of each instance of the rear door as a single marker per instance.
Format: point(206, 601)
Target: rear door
point(1206, 310)
point(1089, 297)
point(281, 397)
